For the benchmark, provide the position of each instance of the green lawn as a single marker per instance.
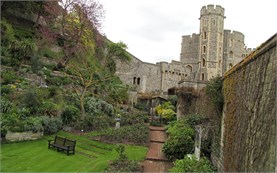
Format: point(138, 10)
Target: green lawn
point(90, 156)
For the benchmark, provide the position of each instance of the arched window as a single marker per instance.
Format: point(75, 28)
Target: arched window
point(134, 80)
point(203, 62)
point(205, 35)
point(138, 81)
point(202, 76)
point(189, 68)
point(204, 49)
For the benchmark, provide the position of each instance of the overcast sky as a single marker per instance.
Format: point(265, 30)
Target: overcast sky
point(152, 29)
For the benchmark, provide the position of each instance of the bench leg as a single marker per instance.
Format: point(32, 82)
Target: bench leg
point(67, 152)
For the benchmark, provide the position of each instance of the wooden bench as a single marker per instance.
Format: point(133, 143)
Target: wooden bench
point(62, 144)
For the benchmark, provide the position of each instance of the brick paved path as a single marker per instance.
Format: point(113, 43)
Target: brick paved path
point(155, 160)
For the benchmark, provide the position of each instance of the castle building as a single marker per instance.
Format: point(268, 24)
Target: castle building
point(203, 56)
point(214, 50)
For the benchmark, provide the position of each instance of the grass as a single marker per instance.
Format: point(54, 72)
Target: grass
point(90, 156)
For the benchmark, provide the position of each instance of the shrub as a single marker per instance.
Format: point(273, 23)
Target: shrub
point(36, 64)
point(19, 120)
point(6, 105)
point(137, 134)
point(96, 106)
point(190, 164)
point(122, 163)
point(141, 106)
point(97, 122)
point(8, 77)
point(33, 124)
point(30, 100)
point(51, 125)
point(180, 141)
point(48, 108)
point(131, 118)
point(70, 115)
point(58, 80)
point(166, 111)
point(195, 119)
point(7, 33)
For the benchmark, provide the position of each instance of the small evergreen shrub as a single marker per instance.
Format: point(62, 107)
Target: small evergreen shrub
point(190, 164)
point(70, 115)
point(51, 125)
point(96, 106)
point(180, 141)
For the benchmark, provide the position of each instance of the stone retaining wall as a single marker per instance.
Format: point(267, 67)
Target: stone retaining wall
point(248, 141)
point(23, 136)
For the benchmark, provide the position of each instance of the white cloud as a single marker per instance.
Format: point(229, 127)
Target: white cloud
point(152, 29)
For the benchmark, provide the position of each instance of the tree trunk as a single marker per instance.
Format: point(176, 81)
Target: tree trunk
point(82, 98)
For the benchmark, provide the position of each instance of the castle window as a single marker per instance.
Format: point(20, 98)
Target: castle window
point(230, 65)
point(134, 80)
point(231, 55)
point(138, 81)
point(202, 76)
point(204, 49)
point(205, 35)
point(214, 22)
point(203, 62)
point(188, 68)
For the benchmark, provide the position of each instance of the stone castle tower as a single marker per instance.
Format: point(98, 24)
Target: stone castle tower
point(203, 56)
point(214, 50)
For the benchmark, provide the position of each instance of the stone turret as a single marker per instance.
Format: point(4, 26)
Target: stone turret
point(211, 42)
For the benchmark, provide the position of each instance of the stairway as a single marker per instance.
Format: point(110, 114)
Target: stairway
point(155, 160)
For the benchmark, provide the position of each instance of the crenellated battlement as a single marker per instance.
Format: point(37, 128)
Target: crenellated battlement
point(211, 9)
point(234, 34)
point(192, 37)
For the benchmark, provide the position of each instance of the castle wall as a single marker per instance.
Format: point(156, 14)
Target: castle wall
point(172, 73)
point(190, 53)
point(140, 76)
point(249, 113)
point(234, 49)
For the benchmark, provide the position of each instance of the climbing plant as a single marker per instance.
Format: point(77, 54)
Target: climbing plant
point(214, 91)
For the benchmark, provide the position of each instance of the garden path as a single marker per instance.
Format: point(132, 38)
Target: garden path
point(155, 160)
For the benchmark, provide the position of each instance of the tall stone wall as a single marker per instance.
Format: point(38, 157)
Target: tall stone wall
point(233, 50)
point(249, 114)
point(190, 51)
point(142, 77)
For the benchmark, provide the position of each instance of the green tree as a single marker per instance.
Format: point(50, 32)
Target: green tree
point(115, 51)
